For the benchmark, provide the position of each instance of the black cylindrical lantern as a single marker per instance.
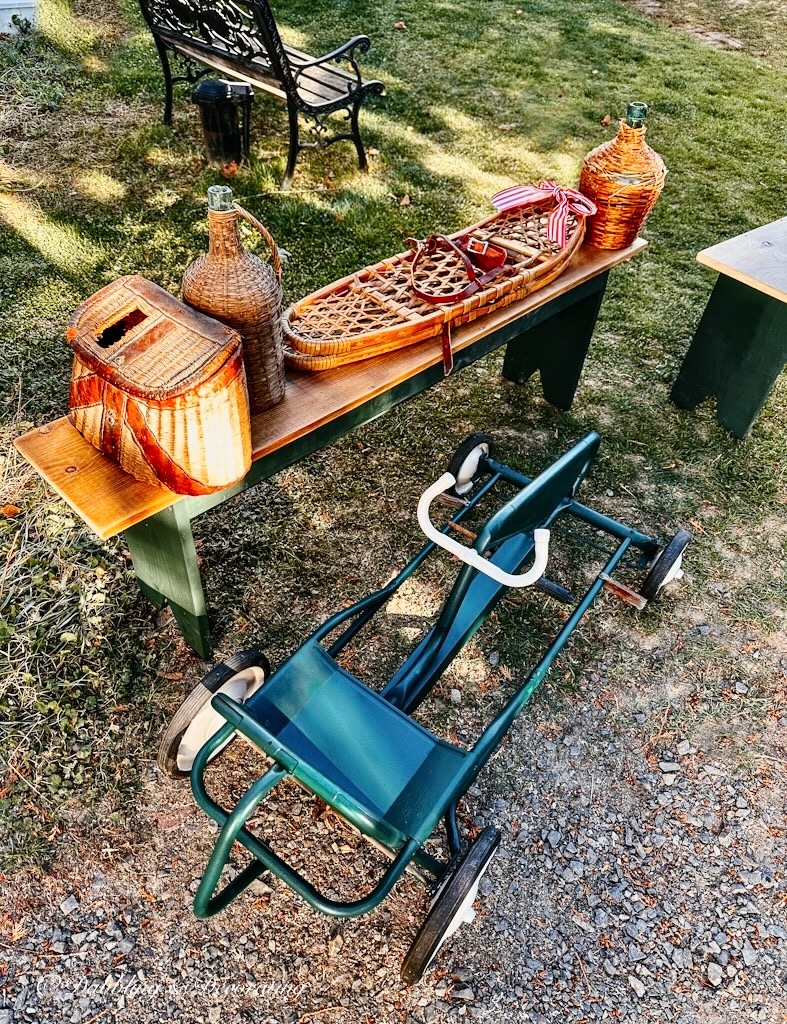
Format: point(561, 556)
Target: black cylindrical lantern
point(243, 95)
point(218, 101)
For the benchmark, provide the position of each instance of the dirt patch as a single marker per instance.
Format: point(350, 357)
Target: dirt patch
point(755, 27)
point(657, 9)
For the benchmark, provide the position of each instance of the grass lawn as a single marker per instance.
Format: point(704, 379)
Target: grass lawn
point(479, 97)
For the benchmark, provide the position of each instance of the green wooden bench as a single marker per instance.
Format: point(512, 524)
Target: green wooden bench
point(740, 346)
point(549, 332)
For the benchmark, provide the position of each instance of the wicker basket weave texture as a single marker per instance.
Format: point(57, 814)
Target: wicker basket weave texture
point(376, 311)
point(202, 441)
point(159, 388)
point(624, 178)
point(244, 292)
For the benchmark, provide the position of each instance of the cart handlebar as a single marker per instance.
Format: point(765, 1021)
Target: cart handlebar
point(469, 555)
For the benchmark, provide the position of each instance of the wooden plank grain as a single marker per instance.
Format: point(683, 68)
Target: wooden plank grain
point(757, 258)
point(258, 73)
point(110, 501)
point(313, 399)
point(98, 490)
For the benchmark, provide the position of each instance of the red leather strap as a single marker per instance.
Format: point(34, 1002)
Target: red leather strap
point(427, 248)
point(485, 255)
point(475, 281)
point(448, 352)
point(491, 256)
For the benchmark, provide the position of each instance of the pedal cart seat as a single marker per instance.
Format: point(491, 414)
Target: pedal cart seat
point(359, 749)
point(378, 768)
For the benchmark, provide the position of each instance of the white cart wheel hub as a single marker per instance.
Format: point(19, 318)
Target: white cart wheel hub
point(675, 572)
point(468, 469)
point(206, 722)
point(464, 914)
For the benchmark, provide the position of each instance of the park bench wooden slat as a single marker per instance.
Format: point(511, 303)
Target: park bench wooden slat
point(257, 73)
point(317, 85)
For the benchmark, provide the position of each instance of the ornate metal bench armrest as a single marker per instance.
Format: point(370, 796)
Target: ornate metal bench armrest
point(346, 50)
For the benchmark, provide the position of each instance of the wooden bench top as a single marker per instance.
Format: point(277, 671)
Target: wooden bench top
point(110, 501)
point(757, 258)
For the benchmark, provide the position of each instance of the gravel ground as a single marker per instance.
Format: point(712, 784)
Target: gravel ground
point(638, 879)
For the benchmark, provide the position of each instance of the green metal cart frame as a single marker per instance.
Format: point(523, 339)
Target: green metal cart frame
point(359, 749)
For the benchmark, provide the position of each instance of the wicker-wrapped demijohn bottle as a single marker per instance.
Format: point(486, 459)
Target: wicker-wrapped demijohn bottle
point(624, 178)
point(242, 291)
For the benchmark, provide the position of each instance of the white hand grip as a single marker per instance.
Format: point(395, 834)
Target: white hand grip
point(472, 557)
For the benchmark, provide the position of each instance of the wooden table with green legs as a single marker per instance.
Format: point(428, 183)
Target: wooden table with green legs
point(740, 346)
point(548, 331)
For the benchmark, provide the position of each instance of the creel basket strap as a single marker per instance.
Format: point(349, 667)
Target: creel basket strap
point(275, 257)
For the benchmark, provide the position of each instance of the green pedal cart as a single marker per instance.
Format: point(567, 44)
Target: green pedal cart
point(359, 749)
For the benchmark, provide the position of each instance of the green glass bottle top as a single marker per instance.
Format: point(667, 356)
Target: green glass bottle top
point(220, 198)
point(636, 114)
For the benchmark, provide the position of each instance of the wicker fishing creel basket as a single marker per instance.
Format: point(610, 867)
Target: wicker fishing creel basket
point(160, 388)
point(375, 310)
point(244, 292)
point(624, 177)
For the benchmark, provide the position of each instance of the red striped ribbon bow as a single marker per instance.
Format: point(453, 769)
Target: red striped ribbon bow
point(566, 200)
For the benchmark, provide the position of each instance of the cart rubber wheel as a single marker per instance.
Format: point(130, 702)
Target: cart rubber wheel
point(451, 906)
point(195, 721)
point(464, 464)
point(667, 565)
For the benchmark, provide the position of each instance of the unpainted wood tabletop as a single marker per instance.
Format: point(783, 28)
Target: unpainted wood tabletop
point(757, 258)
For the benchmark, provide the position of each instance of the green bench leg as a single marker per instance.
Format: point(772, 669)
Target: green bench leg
point(156, 599)
point(557, 347)
point(736, 354)
point(165, 562)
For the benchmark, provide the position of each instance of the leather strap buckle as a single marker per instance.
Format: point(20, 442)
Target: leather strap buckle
point(486, 255)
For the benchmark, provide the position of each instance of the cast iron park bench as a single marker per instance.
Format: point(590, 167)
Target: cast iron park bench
point(240, 39)
point(549, 331)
